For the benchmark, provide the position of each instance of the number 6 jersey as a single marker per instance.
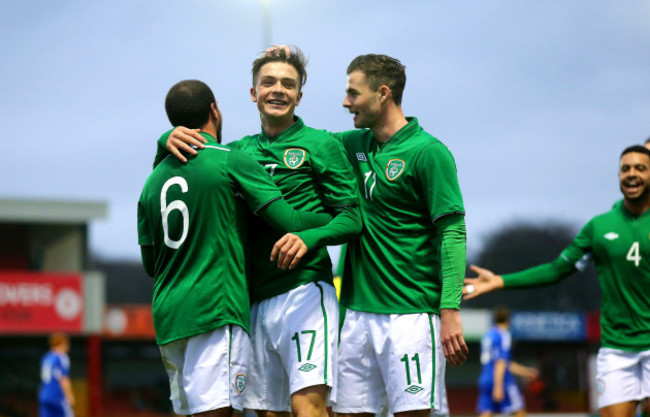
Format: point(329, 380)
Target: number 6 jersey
point(193, 216)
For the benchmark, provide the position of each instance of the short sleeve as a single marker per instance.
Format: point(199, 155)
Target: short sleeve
point(578, 253)
point(145, 236)
point(251, 180)
point(335, 176)
point(438, 179)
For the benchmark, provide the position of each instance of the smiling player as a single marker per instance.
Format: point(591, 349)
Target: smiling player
point(619, 244)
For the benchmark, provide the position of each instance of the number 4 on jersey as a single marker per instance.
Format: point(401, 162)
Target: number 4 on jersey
point(633, 254)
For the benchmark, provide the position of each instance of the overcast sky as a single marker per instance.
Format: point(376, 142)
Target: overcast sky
point(535, 99)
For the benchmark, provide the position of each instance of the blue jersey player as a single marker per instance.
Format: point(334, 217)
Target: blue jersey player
point(498, 390)
point(55, 397)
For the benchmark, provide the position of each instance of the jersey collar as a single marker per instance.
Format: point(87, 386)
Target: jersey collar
point(295, 127)
point(211, 139)
point(407, 131)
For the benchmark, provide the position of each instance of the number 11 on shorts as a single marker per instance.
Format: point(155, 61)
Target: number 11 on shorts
point(407, 366)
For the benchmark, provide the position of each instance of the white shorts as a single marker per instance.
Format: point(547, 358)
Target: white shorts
point(390, 357)
point(622, 376)
point(294, 340)
point(443, 412)
point(208, 371)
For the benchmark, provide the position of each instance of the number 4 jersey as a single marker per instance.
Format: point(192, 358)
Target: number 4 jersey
point(190, 214)
point(619, 244)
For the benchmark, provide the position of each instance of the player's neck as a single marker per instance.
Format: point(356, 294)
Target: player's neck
point(391, 121)
point(210, 130)
point(637, 207)
point(273, 127)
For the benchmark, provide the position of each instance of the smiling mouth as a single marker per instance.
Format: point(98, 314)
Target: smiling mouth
point(276, 103)
point(632, 187)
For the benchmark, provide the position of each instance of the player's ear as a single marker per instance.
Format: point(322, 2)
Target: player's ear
point(384, 93)
point(298, 97)
point(253, 95)
point(214, 112)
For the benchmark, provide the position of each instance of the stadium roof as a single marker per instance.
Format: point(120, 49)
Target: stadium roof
point(51, 211)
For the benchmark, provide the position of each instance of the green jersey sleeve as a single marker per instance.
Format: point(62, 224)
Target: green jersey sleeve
point(338, 186)
point(452, 258)
point(161, 148)
point(283, 218)
point(439, 181)
point(575, 257)
point(335, 176)
point(345, 226)
point(251, 181)
point(145, 235)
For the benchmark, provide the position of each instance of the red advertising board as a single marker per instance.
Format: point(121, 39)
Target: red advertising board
point(132, 321)
point(33, 302)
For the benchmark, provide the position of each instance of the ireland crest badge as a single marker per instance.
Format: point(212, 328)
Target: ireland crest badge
point(294, 157)
point(394, 169)
point(240, 382)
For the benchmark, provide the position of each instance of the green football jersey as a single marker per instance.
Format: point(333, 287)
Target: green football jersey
point(405, 185)
point(194, 218)
point(311, 169)
point(619, 244)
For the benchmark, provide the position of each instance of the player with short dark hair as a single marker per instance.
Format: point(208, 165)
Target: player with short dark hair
point(405, 270)
point(188, 103)
point(617, 241)
point(191, 228)
point(381, 70)
point(55, 396)
point(294, 316)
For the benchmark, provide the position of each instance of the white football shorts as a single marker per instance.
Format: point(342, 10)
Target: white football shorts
point(208, 371)
point(294, 340)
point(622, 376)
point(390, 357)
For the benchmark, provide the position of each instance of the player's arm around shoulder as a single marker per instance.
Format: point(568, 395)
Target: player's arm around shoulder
point(177, 141)
point(334, 173)
point(339, 194)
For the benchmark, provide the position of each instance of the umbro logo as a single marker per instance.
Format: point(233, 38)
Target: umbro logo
point(611, 236)
point(414, 389)
point(307, 367)
point(361, 156)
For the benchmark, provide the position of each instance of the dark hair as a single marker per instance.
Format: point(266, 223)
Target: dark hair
point(647, 141)
point(188, 104)
point(381, 70)
point(295, 58)
point(636, 149)
point(501, 314)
